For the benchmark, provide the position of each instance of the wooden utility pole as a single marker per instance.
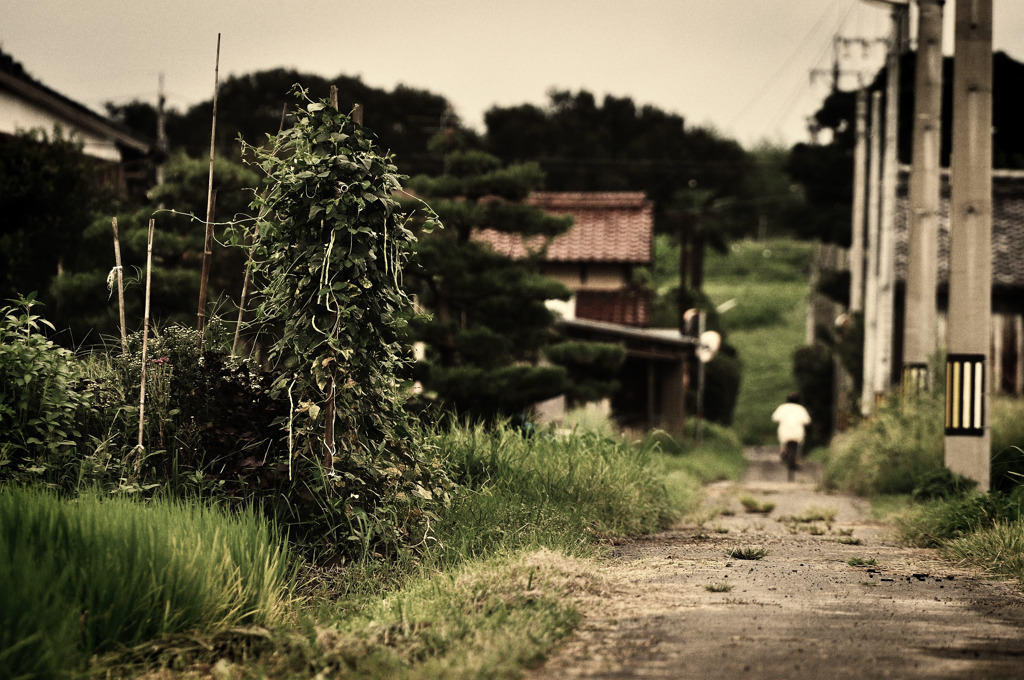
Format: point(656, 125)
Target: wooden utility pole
point(870, 365)
point(860, 158)
point(968, 437)
point(920, 314)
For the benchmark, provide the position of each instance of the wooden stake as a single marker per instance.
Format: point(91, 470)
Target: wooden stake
point(210, 200)
point(120, 287)
point(145, 333)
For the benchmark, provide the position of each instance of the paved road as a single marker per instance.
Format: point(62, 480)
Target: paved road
point(802, 611)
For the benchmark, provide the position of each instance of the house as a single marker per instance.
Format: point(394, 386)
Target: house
point(612, 236)
point(1007, 330)
point(120, 156)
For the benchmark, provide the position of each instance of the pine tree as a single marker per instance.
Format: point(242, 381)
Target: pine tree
point(489, 325)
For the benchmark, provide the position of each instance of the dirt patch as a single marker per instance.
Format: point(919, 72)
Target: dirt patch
point(833, 596)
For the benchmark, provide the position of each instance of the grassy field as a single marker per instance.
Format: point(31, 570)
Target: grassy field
point(765, 283)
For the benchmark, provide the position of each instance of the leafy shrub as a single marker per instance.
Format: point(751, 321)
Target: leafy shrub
point(46, 403)
point(331, 244)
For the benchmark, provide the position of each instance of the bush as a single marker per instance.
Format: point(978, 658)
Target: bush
point(46, 403)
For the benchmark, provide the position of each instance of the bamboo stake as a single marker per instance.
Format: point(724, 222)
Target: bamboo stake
point(120, 287)
point(145, 334)
point(210, 200)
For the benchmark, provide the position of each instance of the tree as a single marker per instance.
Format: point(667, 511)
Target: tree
point(83, 302)
point(616, 146)
point(251, 106)
point(825, 171)
point(490, 326)
point(48, 194)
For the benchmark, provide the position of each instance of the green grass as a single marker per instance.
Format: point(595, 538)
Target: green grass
point(91, 575)
point(756, 506)
point(749, 552)
point(768, 282)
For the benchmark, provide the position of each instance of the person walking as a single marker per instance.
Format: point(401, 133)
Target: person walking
point(792, 418)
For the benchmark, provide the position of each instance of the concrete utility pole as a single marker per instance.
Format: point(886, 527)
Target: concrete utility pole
point(887, 226)
point(968, 437)
point(870, 365)
point(860, 157)
point(920, 314)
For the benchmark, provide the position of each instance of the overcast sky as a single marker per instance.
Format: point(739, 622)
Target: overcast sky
point(741, 66)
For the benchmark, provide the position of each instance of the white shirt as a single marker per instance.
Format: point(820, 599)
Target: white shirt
point(792, 418)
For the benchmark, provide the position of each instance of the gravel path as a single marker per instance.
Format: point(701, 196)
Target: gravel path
point(676, 605)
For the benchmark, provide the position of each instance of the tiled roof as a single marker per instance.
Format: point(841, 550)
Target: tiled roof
point(1007, 230)
point(613, 227)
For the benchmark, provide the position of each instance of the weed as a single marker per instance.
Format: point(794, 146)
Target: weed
point(719, 529)
point(753, 505)
point(861, 562)
point(815, 530)
point(746, 552)
point(719, 587)
point(849, 540)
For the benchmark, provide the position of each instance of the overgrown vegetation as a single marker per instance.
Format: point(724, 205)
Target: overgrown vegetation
point(899, 451)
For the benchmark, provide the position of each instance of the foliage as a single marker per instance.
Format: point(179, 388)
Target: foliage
point(92, 575)
point(490, 326)
point(591, 366)
point(813, 371)
point(931, 523)
point(46, 403)
point(892, 452)
point(331, 247)
point(614, 145)
point(48, 192)
point(556, 491)
point(250, 106)
point(762, 290)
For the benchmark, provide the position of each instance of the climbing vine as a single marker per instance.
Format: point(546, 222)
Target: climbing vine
point(330, 247)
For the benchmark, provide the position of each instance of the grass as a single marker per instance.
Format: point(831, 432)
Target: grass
point(719, 587)
point(861, 562)
point(768, 281)
point(91, 575)
point(754, 505)
point(747, 552)
point(489, 594)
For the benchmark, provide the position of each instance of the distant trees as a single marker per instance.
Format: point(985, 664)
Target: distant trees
point(48, 194)
point(251, 105)
point(826, 170)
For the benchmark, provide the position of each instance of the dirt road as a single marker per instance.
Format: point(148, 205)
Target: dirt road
point(833, 597)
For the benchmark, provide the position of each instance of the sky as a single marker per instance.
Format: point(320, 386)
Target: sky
point(753, 70)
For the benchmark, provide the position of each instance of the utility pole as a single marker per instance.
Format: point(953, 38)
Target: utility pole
point(867, 397)
point(161, 131)
point(860, 157)
point(887, 226)
point(968, 437)
point(920, 313)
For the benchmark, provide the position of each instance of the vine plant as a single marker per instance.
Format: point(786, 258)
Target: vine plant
point(331, 244)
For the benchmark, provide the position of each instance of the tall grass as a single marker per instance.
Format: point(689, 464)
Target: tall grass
point(900, 448)
point(558, 492)
point(90, 575)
